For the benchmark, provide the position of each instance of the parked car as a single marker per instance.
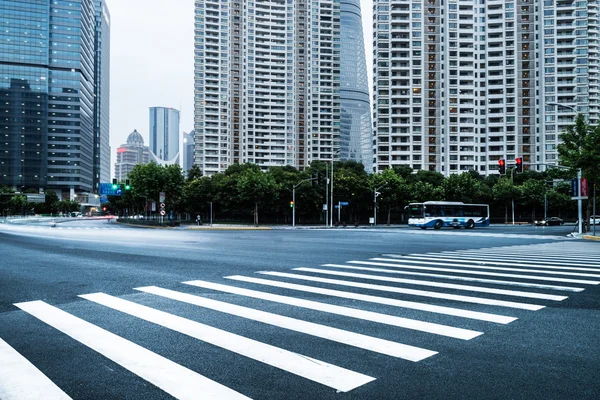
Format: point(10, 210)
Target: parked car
point(550, 221)
point(595, 220)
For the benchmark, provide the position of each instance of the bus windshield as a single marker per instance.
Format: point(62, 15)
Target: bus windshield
point(415, 211)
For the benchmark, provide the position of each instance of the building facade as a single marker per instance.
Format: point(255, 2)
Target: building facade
point(164, 133)
point(133, 152)
point(459, 85)
point(188, 151)
point(47, 86)
point(267, 89)
point(102, 95)
point(356, 132)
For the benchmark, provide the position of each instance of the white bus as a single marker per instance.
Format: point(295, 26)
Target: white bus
point(437, 214)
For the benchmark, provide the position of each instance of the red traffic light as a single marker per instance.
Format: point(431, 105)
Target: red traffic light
point(502, 166)
point(519, 164)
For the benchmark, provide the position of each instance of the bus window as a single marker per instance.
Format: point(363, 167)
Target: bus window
point(415, 211)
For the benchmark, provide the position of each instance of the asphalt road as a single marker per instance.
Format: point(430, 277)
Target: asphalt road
point(505, 313)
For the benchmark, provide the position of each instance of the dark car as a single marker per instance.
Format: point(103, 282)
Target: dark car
point(550, 221)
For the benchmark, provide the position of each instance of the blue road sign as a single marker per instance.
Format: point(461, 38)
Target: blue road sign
point(107, 189)
point(344, 203)
point(574, 188)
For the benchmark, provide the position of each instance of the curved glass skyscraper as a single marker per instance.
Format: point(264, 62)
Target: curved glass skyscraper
point(355, 119)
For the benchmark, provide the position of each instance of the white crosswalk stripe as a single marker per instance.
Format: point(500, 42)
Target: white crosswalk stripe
point(21, 380)
point(316, 370)
point(481, 265)
point(461, 278)
point(500, 319)
point(395, 289)
point(382, 346)
point(178, 381)
point(438, 329)
point(461, 271)
point(500, 260)
point(354, 281)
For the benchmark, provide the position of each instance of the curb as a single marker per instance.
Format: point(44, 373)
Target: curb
point(229, 228)
point(590, 237)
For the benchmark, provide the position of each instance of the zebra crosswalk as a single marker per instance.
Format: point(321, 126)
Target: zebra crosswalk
point(456, 297)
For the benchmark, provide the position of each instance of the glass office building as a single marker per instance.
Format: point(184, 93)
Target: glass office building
point(355, 120)
point(47, 86)
point(164, 133)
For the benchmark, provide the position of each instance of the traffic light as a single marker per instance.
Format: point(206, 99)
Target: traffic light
point(114, 185)
point(291, 204)
point(127, 185)
point(519, 164)
point(502, 166)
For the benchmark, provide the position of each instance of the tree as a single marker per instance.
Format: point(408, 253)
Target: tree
point(258, 188)
point(462, 187)
point(393, 188)
point(423, 191)
point(504, 192)
point(532, 194)
point(580, 149)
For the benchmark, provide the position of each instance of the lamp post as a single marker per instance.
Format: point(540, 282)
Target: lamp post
point(294, 198)
point(579, 201)
point(375, 194)
point(331, 202)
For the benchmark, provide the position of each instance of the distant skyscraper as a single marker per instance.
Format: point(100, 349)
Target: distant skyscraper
point(267, 91)
point(356, 130)
point(130, 154)
point(102, 98)
point(164, 133)
point(47, 87)
point(188, 151)
point(460, 85)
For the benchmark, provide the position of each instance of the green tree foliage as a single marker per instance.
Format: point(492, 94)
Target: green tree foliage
point(464, 187)
point(532, 194)
point(256, 187)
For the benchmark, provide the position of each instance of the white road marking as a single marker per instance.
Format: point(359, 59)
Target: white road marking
point(428, 327)
point(315, 370)
point(462, 271)
point(176, 380)
point(461, 278)
point(395, 289)
point(465, 264)
point(457, 312)
point(567, 260)
point(21, 380)
point(511, 260)
point(370, 343)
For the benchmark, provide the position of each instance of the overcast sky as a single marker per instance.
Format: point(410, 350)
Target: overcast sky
point(152, 62)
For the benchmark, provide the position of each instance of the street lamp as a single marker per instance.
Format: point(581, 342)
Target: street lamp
point(579, 201)
point(375, 194)
point(294, 198)
point(331, 202)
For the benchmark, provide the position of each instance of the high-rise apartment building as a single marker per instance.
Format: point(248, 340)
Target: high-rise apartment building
point(459, 85)
point(47, 87)
point(268, 83)
point(164, 133)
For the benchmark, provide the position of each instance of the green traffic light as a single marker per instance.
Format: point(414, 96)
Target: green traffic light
point(127, 187)
point(114, 187)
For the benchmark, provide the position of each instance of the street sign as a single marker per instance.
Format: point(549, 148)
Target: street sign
point(161, 197)
point(107, 189)
point(574, 188)
point(36, 198)
point(584, 187)
point(162, 212)
point(153, 206)
point(324, 207)
point(344, 203)
point(162, 205)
